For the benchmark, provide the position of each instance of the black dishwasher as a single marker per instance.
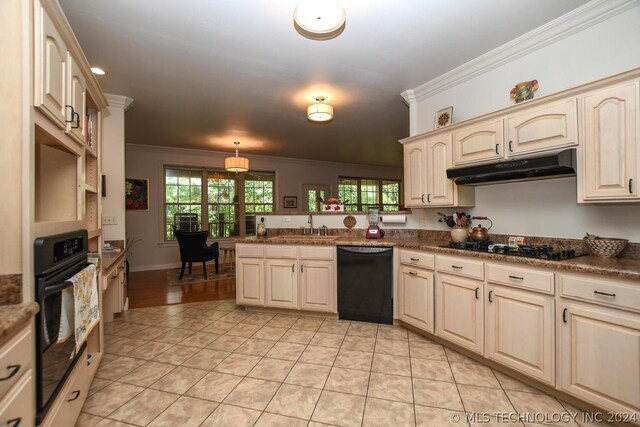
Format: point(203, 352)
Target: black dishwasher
point(365, 283)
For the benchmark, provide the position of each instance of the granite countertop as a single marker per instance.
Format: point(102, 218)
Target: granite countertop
point(14, 317)
point(613, 267)
point(111, 259)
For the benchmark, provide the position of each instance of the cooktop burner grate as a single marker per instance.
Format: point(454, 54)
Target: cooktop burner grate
point(526, 251)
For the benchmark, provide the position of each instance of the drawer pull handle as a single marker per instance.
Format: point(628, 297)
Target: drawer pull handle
point(13, 370)
point(516, 278)
point(604, 293)
point(415, 259)
point(457, 267)
point(477, 291)
point(15, 422)
point(413, 273)
point(77, 395)
point(490, 293)
point(564, 315)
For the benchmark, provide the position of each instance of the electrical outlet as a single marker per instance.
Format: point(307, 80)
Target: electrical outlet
point(286, 219)
point(109, 220)
point(519, 240)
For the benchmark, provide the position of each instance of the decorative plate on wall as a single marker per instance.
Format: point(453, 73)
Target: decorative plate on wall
point(349, 221)
point(443, 118)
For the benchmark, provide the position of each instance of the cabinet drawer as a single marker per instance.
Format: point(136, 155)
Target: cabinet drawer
point(525, 278)
point(605, 292)
point(280, 251)
point(460, 267)
point(15, 359)
point(315, 252)
point(17, 408)
point(250, 251)
point(417, 259)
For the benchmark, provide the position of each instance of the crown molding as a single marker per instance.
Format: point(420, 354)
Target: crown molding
point(564, 26)
point(119, 101)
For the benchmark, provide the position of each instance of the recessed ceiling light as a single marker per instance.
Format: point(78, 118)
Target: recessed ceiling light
point(98, 71)
point(320, 112)
point(319, 19)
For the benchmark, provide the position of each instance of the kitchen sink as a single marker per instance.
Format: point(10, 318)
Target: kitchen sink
point(304, 237)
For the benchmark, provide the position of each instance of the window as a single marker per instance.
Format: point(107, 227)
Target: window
point(222, 200)
point(358, 194)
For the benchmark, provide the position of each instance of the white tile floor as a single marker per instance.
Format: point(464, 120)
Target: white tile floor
point(210, 364)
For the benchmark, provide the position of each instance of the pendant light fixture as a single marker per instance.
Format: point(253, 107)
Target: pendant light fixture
point(237, 163)
point(319, 19)
point(320, 112)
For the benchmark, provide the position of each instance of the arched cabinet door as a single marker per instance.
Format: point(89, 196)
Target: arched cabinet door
point(610, 145)
point(415, 181)
point(478, 143)
point(440, 189)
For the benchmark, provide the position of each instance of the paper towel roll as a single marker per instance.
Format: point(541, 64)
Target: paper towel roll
point(393, 219)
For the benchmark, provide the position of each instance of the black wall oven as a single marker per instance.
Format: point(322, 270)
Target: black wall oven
point(56, 259)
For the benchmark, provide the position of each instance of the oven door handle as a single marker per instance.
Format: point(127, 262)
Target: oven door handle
point(53, 289)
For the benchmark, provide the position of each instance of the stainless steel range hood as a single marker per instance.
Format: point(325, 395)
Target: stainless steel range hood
point(543, 166)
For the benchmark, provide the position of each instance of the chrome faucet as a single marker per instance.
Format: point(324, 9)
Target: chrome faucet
point(323, 231)
point(310, 222)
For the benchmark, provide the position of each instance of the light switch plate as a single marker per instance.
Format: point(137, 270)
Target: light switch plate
point(286, 219)
point(109, 220)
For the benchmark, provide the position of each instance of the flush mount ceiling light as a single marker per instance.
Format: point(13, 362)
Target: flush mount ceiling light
point(319, 19)
point(236, 164)
point(98, 71)
point(320, 112)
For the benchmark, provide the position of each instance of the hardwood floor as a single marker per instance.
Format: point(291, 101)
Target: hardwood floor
point(151, 288)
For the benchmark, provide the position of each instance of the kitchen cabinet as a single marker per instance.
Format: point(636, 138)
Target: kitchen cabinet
point(249, 281)
point(281, 283)
point(519, 331)
point(459, 311)
point(317, 286)
point(544, 127)
point(599, 354)
point(77, 100)
point(425, 174)
point(415, 169)
point(415, 291)
point(16, 409)
point(610, 129)
point(17, 389)
point(479, 142)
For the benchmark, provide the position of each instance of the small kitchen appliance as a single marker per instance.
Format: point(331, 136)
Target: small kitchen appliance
point(374, 232)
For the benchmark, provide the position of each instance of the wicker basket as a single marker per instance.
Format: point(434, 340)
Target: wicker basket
point(605, 246)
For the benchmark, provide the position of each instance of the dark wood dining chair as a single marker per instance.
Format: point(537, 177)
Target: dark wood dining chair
point(194, 248)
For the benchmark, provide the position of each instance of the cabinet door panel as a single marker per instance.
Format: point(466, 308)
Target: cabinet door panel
point(318, 286)
point(519, 331)
point(599, 357)
point(77, 100)
point(439, 188)
point(610, 143)
point(250, 281)
point(281, 283)
point(459, 311)
point(50, 69)
point(414, 174)
point(547, 127)
point(478, 143)
point(416, 298)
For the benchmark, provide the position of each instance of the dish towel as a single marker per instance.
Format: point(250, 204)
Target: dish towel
point(67, 315)
point(85, 298)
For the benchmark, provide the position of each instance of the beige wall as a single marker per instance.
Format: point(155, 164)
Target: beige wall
point(148, 162)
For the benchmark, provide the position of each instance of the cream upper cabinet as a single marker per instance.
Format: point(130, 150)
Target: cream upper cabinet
point(281, 283)
point(415, 169)
point(610, 144)
point(520, 331)
point(440, 189)
point(51, 69)
point(459, 311)
point(478, 142)
point(546, 127)
point(77, 100)
point(415, 291)
point(318, 286)
point(599, 354)
point(249, 281)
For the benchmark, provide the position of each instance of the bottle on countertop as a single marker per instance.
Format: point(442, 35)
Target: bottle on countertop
point(262, 228)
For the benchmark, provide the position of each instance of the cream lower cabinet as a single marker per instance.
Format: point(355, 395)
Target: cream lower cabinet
point(610, 152)
point(17, 385)
point(415, 292)
point(249, 281)
point(599, 356)
point(459, 311)
point(317, 288)
point(281, 283)
point(519, 331)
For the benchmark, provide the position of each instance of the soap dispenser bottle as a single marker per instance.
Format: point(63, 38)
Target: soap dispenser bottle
point(262, 228)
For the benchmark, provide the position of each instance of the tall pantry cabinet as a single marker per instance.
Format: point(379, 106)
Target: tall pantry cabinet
point(50, 168)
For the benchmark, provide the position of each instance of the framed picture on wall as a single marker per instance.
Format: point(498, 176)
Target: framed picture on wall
point(290, 202)
point(137, 194)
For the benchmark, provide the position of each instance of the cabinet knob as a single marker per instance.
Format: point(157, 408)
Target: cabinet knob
point(13, 369)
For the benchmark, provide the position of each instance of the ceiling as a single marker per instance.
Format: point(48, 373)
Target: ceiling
point(204, 73)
